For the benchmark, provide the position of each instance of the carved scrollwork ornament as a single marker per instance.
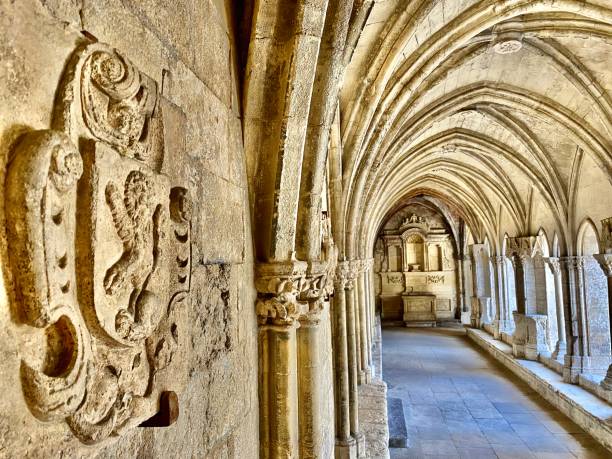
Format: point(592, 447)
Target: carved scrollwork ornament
point(109, 284)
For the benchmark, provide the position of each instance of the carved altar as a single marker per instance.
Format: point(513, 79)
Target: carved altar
point(416, 267)
point(419, 310)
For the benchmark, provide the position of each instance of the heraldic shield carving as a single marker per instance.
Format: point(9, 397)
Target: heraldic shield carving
point(100, 250)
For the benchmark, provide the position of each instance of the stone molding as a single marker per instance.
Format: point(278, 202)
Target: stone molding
point(104, 271)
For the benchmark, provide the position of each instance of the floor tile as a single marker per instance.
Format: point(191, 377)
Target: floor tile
point(512, 452)
point(477, 453)
point(522, 418)
point(440, 447)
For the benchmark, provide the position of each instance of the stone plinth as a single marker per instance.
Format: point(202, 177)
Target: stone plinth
point(419, 310)
point(529, 339)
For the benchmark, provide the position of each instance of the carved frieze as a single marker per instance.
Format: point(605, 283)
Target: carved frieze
point(435, 279)
point(100, 249)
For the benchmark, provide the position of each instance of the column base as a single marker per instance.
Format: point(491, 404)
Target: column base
point(559, 352)
point(519, 336)
point(496, 326)
point(506, 326)
point(361, 445)
point(518, 350)
point(345, 449)
point(362, 377)
point(574, 366)
point(606, 383)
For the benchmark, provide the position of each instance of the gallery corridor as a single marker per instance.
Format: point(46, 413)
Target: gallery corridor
point(458, 402)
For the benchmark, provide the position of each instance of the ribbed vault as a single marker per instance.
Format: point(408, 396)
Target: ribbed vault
point(500, 110)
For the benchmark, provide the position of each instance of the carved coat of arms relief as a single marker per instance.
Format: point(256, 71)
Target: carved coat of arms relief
point(100, 249)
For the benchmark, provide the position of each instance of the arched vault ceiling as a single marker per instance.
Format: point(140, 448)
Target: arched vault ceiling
point(430, 103)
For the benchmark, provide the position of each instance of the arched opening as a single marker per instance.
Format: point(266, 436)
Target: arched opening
point(545, 289)
point(594, 289)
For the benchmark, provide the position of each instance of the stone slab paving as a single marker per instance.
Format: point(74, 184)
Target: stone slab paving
point(461, 403)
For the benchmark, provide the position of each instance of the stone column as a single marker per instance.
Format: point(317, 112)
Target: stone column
point(370, 313)
point(605, 261)
point(555, 266)
point(576, 359)
point(460, 288)
point(529, 338)
point(346, 446)
point(480, 301)
point(502, 320)
point(278, 310)
point(309, 363)
point(351, 317)
point(358, 301)
point(363, 326)
point(467, 286)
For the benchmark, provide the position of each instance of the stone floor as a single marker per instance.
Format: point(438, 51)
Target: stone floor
point(460, 403)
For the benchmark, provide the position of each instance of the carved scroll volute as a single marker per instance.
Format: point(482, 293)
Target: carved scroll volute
point(41, 206)
point(105, 98)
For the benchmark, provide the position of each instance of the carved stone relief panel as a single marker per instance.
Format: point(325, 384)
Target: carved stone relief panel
point(100, 248)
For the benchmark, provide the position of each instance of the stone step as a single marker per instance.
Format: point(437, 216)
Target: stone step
point(398, 433)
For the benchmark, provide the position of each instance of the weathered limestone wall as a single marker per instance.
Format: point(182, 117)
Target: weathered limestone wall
point(195, 71)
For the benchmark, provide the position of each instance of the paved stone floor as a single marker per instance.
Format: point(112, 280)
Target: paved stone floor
point(460, 403)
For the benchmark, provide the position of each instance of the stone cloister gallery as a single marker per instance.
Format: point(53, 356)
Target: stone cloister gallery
point(220, 219)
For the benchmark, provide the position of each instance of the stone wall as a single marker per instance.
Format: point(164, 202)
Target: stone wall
point(194, 73)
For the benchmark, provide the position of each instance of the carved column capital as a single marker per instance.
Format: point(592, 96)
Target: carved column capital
point(606, 235)
point(345, 275)
point(521, 248)
point(278, 286)
point(314, 291)
point(572, 263)
point(605, 261)
point(554, 264)
point(499, 260)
